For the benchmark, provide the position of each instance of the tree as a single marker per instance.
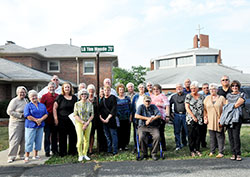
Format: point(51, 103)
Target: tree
point(136, 75)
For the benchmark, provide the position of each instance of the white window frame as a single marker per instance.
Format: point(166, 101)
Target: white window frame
point(84, 73)
point(53, 71)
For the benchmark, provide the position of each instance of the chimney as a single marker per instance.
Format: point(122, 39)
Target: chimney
point(70, 42)
point(196, 41)
point(204, 40)
point(9, 42)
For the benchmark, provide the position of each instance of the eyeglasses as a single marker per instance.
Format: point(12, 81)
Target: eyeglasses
point(55, 79)
point(224, 79)
point(234, 86)
point(148, 101)
point(205, 87)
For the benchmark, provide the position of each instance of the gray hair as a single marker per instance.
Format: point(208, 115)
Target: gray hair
point(213, 85)
point(83, 91)
point(91, 86)
point(51, 84)
point(195, 83)
point(149, 83)
point(130, 83)
point(32, 92)
point(82, 84)
point(179, 84)
point(141, 85)
point(19, 88)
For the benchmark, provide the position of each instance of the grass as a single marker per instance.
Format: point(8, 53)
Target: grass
point(4, 139)
point(170, 154)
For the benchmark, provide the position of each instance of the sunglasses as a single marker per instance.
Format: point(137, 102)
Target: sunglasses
point(234, 86)
point(205, 87)
point(148, 101)
point(224, 79)
point(55, 79)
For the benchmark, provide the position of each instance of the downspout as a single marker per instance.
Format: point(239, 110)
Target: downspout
point(77, 71)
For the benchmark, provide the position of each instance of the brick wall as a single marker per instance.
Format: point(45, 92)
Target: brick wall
point(204, 40)
point(25, 60)
point(195, 41)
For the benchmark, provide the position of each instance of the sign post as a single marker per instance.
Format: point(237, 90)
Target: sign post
point(97, 50)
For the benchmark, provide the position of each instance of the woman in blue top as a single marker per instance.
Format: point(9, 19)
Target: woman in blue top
point(35, 114)
point(124, 115)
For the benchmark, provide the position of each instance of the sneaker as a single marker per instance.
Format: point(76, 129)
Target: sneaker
point(80, 158)
point(36, 157)
point(10, 160)
point(177, 149)
point(86, 157)
point(26, 159)
point(155, 157)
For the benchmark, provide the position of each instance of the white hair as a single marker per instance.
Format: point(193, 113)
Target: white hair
point(32, 92)
point(141, 85)
point(91, 86)
point(213, 85)
point(195, 83)
point(130, 83)
point(149, 83)
point(51, 83)
point(19, 88)
point(83, 91)
point(179, 84)
point(105, 80)
point(81, 84)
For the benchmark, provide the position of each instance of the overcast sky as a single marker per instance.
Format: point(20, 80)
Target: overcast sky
point(138, 29)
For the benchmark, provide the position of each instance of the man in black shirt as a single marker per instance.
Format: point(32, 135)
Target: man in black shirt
point(179, 114)
point(225, 88)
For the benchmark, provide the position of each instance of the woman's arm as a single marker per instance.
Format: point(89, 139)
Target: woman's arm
point(239, 102)
point(55, 106)
point(11, 110)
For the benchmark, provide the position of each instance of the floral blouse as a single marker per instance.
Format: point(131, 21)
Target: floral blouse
point(83, 110)
point(196, 106)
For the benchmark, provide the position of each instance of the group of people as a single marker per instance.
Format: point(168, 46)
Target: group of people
point(71, 120)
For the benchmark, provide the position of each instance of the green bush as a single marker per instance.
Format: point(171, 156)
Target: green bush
point(3, 107)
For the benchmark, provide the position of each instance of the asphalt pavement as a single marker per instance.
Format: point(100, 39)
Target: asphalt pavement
point(174, 168)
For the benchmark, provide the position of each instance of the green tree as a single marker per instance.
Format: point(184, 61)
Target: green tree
point(136, 75)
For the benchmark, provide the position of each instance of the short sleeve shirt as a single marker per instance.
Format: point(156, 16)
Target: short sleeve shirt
point(196, 106)
point(161, 101)
point(84, 110)
point(152, 110)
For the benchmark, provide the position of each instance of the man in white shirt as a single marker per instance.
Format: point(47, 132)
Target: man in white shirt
point(107, 81)
point(45, 90)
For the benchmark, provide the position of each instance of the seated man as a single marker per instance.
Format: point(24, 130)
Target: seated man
point(149, 122)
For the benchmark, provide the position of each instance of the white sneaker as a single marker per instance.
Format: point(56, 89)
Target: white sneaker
point(86, 157)
point(10, 160)
point(80, 158)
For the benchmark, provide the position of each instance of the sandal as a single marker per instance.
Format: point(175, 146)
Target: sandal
point(192, 154)
point(233, 157)
point(26, 159)
point(238, 158)
point(198, 153)
point(219, 155)
point(211, 154)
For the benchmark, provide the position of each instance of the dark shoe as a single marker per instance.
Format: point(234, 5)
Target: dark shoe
point(47, 154)
point(155, 157)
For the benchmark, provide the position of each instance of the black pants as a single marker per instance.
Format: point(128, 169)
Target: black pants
point(194, 137)
point(162, 135)
point(217, 138)
point(234, 138)
point(143, 139)
point(123, 133)
point(67, 130)
point(203, 133)
point(50, 138)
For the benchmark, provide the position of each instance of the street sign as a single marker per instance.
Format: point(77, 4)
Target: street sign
point(90, 49)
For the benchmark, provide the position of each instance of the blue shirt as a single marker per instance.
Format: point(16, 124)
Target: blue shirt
point(36, 112)
point(152, 110)
point(123, 108)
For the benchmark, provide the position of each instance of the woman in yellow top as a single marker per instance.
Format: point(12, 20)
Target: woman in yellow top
point(213, 105)
point(83, 113)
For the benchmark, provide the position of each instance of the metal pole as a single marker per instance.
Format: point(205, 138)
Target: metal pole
point(97, 79)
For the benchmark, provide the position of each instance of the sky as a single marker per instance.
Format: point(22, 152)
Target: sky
point(139, 29)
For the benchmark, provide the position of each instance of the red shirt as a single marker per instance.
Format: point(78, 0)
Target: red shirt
point(48, 99)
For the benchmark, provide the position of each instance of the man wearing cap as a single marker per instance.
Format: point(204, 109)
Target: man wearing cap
point(149, 122)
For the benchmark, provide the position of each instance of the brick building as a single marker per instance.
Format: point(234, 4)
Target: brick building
point(64, 60)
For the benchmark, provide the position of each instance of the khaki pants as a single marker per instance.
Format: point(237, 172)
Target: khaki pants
point(16, 139)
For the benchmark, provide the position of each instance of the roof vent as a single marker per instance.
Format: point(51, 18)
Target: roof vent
point(9, 42)
point(45, 49)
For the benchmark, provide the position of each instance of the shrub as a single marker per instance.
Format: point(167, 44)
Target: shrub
point(3, 107)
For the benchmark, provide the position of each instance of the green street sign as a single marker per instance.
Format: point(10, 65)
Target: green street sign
point(90, 49)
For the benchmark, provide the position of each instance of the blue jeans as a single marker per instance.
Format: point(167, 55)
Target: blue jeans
point(33, 135)
point(112, 139)
point(180, 126)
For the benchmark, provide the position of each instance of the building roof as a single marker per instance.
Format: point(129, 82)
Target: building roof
point(16, 72)
point(51, 51)
point(168, 78)
point(193, 51)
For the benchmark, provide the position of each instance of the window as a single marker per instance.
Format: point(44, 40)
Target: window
point(185, 60)
point(206, 59)
point(89, 67)
point(53, 66)
point(166, 63)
